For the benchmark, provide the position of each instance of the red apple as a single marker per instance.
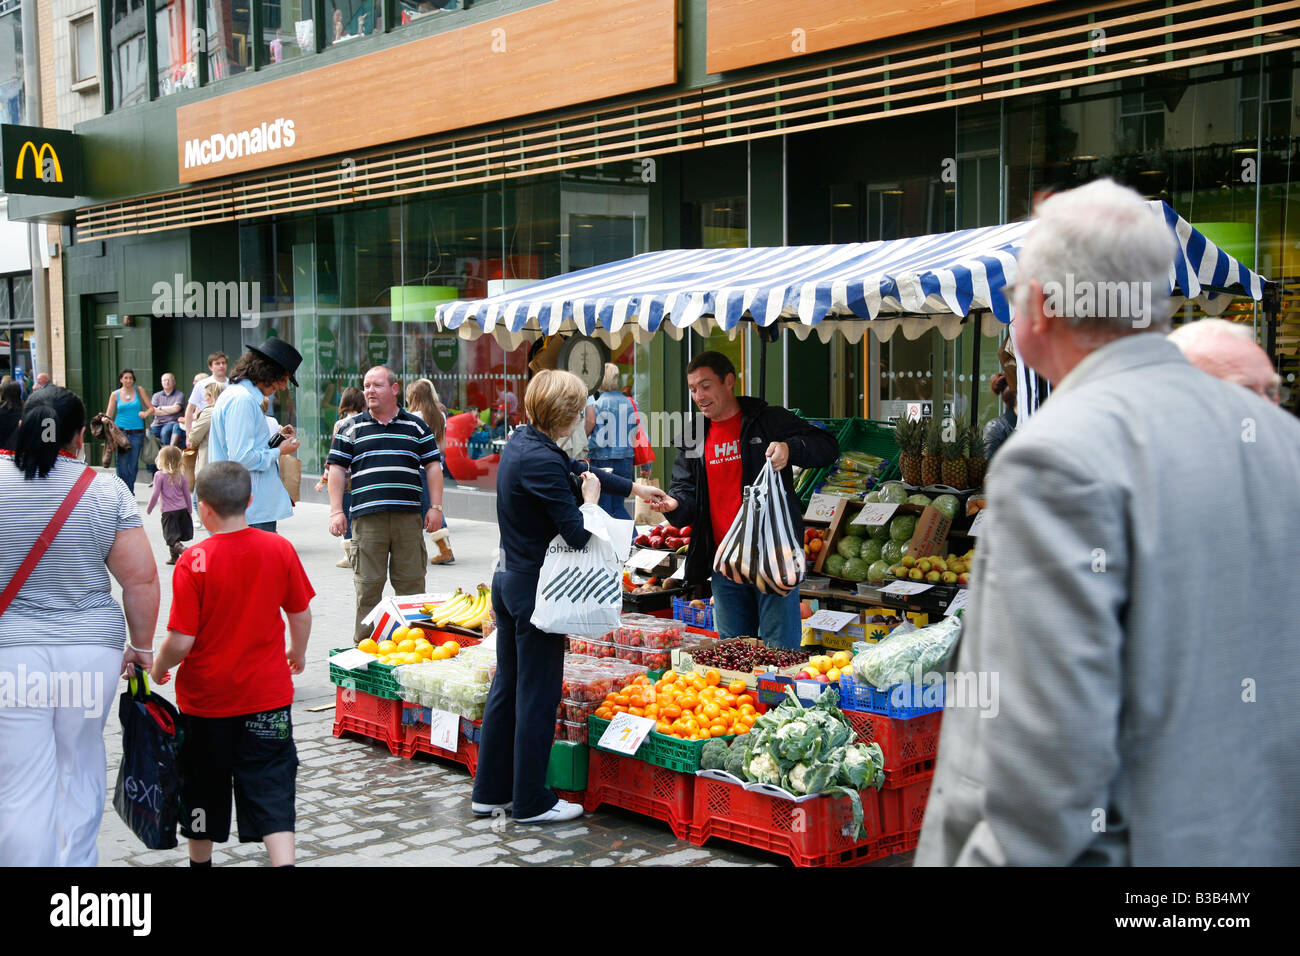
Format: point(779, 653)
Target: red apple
point(803, 675)
point(822, 679)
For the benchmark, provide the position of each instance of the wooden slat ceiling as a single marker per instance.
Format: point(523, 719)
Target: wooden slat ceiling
point(1055, 49)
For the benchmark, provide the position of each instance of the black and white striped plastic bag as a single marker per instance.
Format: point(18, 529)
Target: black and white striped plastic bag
point(580, 590)
point(762, 546)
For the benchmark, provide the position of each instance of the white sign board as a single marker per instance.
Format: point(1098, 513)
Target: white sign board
point(443, 727)
point(975, 528)
point(959, 602)
point(821, 508)
point(352, 660)
point(874, 514)
point(647, 559)
point(833, 621)
point(625, 733)
point(904, 588)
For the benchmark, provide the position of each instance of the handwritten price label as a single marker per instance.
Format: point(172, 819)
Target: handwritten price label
point(647, 560)
point(625, 733)
point(975, 528)
point(832, 621)
point(958, 603)
point(443, 728)
point(874, 514)
point(822, 508)
point(904, 588)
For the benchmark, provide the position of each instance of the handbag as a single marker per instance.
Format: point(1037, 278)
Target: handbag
point(761, 547)
point(45, 539)
point(579, 590)
point(152, 446)
point(291, 476)
point(147, 794)
point(642, 451)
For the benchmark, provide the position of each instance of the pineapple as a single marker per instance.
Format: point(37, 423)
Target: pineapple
point(932, 452)
point(956, 474)
point(978, 463)
point(910, 436)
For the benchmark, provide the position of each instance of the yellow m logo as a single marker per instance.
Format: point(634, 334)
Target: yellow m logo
point(38, 160)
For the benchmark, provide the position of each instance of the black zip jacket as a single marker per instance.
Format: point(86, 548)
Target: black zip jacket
point(760, 425)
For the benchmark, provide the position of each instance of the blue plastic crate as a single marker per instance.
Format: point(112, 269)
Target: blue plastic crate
point(694, 616)
point(857, 695)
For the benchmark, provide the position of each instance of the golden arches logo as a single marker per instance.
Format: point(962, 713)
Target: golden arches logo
point(38, 160)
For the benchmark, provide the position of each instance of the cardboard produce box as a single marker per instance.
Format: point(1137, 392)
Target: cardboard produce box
point(929, 537)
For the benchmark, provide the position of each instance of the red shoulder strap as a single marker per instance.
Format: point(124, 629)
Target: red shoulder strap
point(45, 539)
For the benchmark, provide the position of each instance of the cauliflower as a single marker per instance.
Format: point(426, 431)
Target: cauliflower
point(763, 769)
point(799, 778)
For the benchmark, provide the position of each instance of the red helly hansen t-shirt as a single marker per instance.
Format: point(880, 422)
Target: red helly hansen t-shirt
point(722, 459)
point(228, 591)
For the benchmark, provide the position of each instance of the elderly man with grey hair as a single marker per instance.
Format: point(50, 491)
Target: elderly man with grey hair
point(1135, 716)
point(1228, 351)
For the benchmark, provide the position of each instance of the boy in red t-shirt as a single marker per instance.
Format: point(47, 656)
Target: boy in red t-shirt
point(234, 688)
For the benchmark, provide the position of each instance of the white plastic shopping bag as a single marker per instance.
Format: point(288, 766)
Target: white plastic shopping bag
point(580, 590)
point(762, 547)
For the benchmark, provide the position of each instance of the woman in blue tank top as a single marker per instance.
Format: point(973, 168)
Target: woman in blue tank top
point(128, 407)
point(611, 425)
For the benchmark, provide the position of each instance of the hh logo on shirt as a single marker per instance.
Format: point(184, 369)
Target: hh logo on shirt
point(726, 451)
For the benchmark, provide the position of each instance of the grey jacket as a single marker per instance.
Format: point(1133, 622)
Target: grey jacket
point(1135, 596)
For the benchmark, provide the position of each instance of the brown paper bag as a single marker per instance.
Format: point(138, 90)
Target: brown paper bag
point(291, 475)
point(643, 513)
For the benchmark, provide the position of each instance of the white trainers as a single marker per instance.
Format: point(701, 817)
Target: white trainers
point(563, 810)
point(487, 809)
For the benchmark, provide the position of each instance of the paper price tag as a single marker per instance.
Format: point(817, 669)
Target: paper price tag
point(443, 728)
point(352, 660)
point(821, 507)
point(646, 559)
point(904, 588)
point(958, 603)
point(975, 528)
point(874, 514)
point(625, 733)
point(833, 621)
point(679, 574)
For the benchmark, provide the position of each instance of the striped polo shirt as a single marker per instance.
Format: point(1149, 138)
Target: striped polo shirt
point(384, 461)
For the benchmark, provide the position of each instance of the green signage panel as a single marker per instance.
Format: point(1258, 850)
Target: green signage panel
point(39, 161)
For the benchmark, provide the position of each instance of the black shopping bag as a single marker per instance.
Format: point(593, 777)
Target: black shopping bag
point(147, 795)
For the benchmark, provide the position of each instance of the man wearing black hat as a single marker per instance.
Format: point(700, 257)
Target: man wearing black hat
point(239, 431)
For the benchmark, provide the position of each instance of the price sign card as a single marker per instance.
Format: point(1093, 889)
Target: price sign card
point(646, 559)
point(443, 728)
point(822, 507)
point(679, 574)
point(958, 603)
point(833, 621)
point(904, 588)
point(352, 660)
point(625, 733)
point(975, 528)
point(874, 514)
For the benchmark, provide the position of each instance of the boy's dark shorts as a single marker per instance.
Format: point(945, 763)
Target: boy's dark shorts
point(256, 755)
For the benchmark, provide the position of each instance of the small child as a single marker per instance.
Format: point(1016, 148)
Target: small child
point(234, 688)
point(174, 490)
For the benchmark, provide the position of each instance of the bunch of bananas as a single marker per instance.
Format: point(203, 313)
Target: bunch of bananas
point(463, 609)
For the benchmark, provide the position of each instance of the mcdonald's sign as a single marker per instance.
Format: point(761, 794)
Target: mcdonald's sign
point(40, 162)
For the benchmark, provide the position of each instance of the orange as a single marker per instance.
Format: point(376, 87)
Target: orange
point(743, 700)
point(368, 645)
point(400, 634)
point(663, 727)
point(717, 730)
point(415, 633)
point(736, 687)
point(406, 645)
point(386, 647)
point(740, 728)
point(711, 711)
point(671, 711)
point(652, 710)
point(712, 677)
point(620, 709)
point(635, 700)
point(604, 713)
point(622, 699)
point(668, 677)
point(453, 648)
point(636, 711)
point(688, 702)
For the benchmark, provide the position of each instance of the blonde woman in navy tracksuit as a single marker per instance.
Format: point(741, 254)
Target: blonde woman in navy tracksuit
point(539, 490)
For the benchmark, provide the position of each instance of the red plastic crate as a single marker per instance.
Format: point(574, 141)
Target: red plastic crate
point(416, 741)
point(904, 742)
point(809, 833)
point(903, 842)
point(902, 810)
point(378, 718)
point(644, 787)
point(573, 796)
point(894, 779)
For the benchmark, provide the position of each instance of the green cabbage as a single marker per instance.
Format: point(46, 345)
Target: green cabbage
point(902, 528)
point(834, 565)
point(848, 546)
point(870, 551)
point(893, 493)
point(855, 569)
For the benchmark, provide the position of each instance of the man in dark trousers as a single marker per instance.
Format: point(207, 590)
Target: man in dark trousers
point(740, 434)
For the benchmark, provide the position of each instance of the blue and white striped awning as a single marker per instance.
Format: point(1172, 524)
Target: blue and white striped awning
point(919, 283)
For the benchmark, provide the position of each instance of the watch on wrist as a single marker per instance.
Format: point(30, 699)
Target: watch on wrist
point(435, 507)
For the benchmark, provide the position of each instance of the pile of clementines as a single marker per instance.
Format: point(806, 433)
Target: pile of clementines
point(690, 706)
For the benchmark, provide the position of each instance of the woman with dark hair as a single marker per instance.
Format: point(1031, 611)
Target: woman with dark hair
point(11, 407)
point(352, 402)
point(129, 407)
point(52, 761)
point(238, 431)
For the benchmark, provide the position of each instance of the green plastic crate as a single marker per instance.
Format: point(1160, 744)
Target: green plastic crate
point(864, 435)
point(377, 679)
point(567, 769)
point(657, 748)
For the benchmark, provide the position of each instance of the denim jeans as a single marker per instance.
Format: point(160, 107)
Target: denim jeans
point(742, 610)
point(613, 505)
point(128, 461)
point(170, 433)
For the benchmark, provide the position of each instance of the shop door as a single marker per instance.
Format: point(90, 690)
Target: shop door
point(108, 357)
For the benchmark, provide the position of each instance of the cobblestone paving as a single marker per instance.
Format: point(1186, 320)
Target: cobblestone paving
point(359, 805)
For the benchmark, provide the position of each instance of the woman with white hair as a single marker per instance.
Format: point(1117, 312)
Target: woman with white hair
point(611, 425)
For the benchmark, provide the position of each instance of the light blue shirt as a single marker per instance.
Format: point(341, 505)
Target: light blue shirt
point(238, 433)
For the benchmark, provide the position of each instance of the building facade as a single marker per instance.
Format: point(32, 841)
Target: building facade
point(328, 171)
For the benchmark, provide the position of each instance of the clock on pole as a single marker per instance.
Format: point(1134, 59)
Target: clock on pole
point(585, 357)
